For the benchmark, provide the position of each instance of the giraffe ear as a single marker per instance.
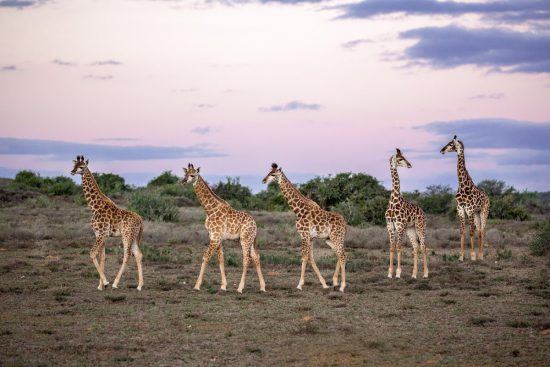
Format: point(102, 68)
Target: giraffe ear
point(454, 138)
point(198, 169)
point(87, 161)
point(274, 165)
point(398, 150)
point(184, 169)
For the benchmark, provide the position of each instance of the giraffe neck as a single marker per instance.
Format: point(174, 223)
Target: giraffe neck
point(292, 195)
point(395, 184)
point(208, 199)
point(91, 190)
point(464, 179)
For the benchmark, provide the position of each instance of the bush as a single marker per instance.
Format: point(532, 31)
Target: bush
point(236, 194)
point(60, 186)
point(152, 206)
point(28, 179)
point(165, 178)
point(540, 245)
point(110, 183)
point(270, 199)
point(360, 198)
point(505, 201)
point(437, 199)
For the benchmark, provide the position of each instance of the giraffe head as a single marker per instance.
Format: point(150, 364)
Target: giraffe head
point(399, 160)
point(79, 165)
point(191, 174)
point(454, 145)
point(273, 174)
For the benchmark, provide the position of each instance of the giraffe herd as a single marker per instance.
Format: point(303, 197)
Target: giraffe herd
point(223, 222)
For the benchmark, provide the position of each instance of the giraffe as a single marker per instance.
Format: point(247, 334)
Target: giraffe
point(471, 202)
point(224, 222)
point(313, 222)
point(401, 216)
point(109, 220)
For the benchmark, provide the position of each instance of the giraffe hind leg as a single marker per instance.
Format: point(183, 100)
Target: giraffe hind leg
point(126, 244)
point(102, 266)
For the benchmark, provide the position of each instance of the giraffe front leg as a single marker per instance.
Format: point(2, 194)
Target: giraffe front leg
point(205, 258)
point(126, 248)
point(306, 246)
point(462, 219)
point(221, 260)
point(99, 246)
point(391, 235)
point(246, 261)
point(256, 259)
point(400, 229)
point(336, 272)
point(102, 265)
point(316, 270)
point(341, 259)
point(472, 235)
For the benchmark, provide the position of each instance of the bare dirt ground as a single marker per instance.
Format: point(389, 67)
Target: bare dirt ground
point(492, 312)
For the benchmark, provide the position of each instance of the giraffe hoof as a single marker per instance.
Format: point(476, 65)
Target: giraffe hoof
point(480, 256)
point(341, 289)
point(299, 287)
point(461, 258)
point(262, 290)
point(105, 284)
point(114, 286)
point(240, 291)
point(414, 276)
point(139, 288)
point(425, 275)
point(473, 256)
point(223, 287)
point(398, 274)
point(325, 286)
point(197, 288)
point(100, 287)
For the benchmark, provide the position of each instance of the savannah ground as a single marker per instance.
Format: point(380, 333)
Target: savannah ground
point(491, 312)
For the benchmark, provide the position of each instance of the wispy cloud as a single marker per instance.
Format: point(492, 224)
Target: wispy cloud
point(63, 62)
point(496, 49)
point(354, 43)
point(291, 106)
point(61, 150)
point(487, 96)
point(8, 68)
point(99, 77)
point(106, 63)
point(185, 90)
point(116, 139)
point(204, 105)
point(202, 130)
point(509, 10)
point(20, 4)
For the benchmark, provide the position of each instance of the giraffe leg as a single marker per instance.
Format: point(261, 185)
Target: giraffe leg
point(462, 219)
point(223, 286)
point(411, 233)
point(336, 272)
point(99, 246)
point(472, 233)
point(391, 234)
point(341, 259)
point(483, 221)
point(102, 265)
point(246, 260)
point(205, 258)
point(400, 229)
point(138, 256)
point(306, 248)
point(126, 243)
point(256, 259)
point(316, 270)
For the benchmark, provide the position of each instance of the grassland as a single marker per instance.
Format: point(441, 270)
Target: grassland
point(494, 312)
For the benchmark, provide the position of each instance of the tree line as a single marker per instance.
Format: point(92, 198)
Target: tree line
point(359, 197)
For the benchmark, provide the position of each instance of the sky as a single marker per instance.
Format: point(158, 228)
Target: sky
point(320, 87)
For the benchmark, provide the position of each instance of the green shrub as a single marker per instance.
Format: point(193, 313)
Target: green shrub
point(270, 199)
point(150, 205)
point(165, 178)
point(437, 199)
point(28, 179)
point(235, 193)
point(60, 185)
point(111, 183)
point(540, 245)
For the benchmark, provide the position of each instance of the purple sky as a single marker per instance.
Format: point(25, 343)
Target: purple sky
point(317, 86)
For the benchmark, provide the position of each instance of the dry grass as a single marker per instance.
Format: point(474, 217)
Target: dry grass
point(497, 310)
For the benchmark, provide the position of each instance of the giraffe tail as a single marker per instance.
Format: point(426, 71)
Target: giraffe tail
point(140, 234)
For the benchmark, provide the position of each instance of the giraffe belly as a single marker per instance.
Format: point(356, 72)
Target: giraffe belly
point(231, 236)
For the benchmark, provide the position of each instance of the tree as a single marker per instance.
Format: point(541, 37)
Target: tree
point(165, 178)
